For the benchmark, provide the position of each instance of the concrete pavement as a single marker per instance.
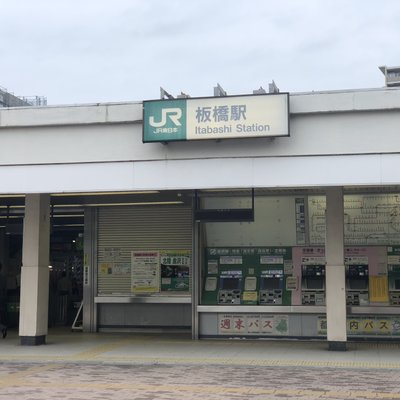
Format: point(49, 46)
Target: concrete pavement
point(172, 366)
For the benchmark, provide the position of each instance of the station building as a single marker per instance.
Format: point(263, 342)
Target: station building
point(287, 227)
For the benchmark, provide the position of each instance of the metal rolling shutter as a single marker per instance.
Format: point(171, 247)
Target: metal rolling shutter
point(125, 229)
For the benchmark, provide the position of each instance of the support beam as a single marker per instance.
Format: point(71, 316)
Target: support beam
point(196, 281)
point(335, 270)
point(33, 322)
point(89, 310)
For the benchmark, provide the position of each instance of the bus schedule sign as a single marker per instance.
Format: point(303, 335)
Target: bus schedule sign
point(216, 118)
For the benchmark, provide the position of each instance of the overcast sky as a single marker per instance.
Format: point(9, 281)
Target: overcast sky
point(85, 51)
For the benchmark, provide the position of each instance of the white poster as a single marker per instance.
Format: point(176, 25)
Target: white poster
point(145, 276)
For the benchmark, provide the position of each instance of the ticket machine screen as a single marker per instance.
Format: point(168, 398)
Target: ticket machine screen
point(358, 284)
point(229, 283)
point(314, 283)
point(270, 283)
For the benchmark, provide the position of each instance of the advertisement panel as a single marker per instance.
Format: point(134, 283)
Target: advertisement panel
point(216, 118)
point(175, 270)
point(145, 272)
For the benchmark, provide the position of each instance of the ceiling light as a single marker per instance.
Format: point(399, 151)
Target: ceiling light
point(67, 205)
point(142, 203)
point(70, 225)
point(67, 215)
point(103, 193)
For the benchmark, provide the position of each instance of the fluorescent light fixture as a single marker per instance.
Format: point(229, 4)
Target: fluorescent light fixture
point(11, 216)
point(102, 193)
point(70, 225)
point(12, 195)
point(224, 190)
point(142, 203)
point(67, 205)
point(67, 215)
point(137, 203)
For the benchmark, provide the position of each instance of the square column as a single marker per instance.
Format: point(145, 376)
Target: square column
point(335, 270)
point(34, 301)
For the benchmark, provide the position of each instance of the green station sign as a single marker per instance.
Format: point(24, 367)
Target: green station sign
point(216, 118)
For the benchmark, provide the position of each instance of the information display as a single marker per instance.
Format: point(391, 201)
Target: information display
point(145, 272)
point(369, 219)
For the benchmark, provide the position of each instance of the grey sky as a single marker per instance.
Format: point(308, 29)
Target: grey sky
point(79, 51)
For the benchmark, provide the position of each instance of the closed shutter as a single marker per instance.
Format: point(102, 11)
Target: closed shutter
point(122, 230)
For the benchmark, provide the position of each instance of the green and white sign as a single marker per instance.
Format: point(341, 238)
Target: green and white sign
point(216, 118)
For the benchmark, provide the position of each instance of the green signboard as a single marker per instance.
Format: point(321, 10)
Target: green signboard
point(252, 268)
point(216, 118)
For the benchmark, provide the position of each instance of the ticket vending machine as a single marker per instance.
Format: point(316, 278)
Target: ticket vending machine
point(230, 288)
point(271, 287)
point(394, 284)
point(357, 285)
point(246, 276)
point(313, 285)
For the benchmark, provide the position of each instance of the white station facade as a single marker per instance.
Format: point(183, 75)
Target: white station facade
point(273, 215)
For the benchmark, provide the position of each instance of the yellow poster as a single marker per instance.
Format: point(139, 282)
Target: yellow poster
point(379, 291)
point(105, 268)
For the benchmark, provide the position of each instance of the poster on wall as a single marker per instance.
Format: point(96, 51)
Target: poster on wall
point(145, 274)
point(367, 325)
point(300, 221)
point(112, 254)
point(253, 324)
point(175, 267)
point(371, 219)
point(114, 269)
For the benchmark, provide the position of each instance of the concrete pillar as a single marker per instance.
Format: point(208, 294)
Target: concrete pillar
point(33, 321)
point(89, 310)
point(335, 271)
point(3, 257)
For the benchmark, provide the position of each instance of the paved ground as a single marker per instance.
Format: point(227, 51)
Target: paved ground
point(143, 367)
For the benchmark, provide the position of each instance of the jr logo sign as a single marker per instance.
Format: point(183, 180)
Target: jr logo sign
point(174, 115)
point(164, 121)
